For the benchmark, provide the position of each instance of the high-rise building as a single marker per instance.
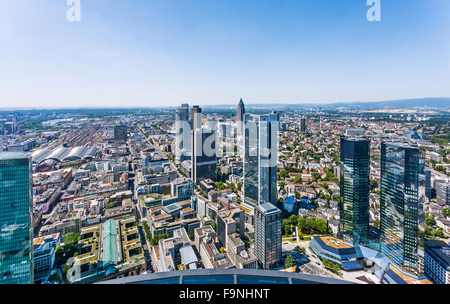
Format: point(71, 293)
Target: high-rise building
point(355, 180)
point(302, 124)
point(16, 219)
point(428, 188)
point(268, 235)
point(120, 133)
point(401, 205)
point(260, 159)
point(196, 117)
point(182, 141)
point(240, 118)
point(182, 113)
point(204, 156)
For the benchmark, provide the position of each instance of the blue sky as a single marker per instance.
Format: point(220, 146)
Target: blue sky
point(150, 53)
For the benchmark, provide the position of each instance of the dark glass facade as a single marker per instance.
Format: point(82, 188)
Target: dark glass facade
point(120, 133)
point(16, 209)
point(268, 235)
point(355, 180)
point(204, 157)
point(401, 204)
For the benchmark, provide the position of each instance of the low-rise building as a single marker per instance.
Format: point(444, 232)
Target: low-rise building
point(437, 261)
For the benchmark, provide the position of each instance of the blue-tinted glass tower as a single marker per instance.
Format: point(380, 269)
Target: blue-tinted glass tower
point(401, 205)
point(16, 229)
point(260, 159)
point(355, 180)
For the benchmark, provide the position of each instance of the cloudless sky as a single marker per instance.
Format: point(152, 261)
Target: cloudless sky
point(147, 53)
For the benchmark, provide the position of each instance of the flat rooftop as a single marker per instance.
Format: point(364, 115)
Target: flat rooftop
point(334, 242)
point(14, 155)
point(408, 279)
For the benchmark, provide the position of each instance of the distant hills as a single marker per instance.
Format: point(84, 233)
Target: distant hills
point(443, 102)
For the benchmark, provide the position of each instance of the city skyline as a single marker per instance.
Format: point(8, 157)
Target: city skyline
point(144, 54)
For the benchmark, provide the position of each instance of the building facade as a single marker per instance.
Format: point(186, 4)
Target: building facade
point(443, 194)
point(240, 118)
point(268, 235)
point(260, 159)
point(401, 205)
point(16, 219)
point(204, 156)
point(354, 204)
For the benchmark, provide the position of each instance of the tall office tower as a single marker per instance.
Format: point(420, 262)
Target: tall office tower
point(120, 133)
point(355, 180)
point(1, 142)
point(204, 156)
point(240, 118)
point(443, 193)
point(196, 117)
point(428, 188)
point(16, 222)
point(268, 235)
point(302, 124)
point(401, 205)
point(260, 159)
point(182, 133)
point(182, 113)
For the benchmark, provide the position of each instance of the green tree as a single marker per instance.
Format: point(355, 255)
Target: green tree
point(71, 239)
point(333, 267)
point(284, 174)
point(298, 180)
point(155, 240)
point(428, 231)
point(446, 212)
point(301, 225)
point(289, 262)
point(321, 226)
point(287, 229)
point(373, 185)
point(429, 220)
point(112, 205)
point(439, 233)
point(293, 220)
point(213, 225)
point(310, 225)
point(376, 223)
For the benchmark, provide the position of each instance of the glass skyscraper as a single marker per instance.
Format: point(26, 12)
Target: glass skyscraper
point(355, 180)
point(401, 205)
point(16, 209)
point(204, 156)
point(268, 235)
point(260, 159)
